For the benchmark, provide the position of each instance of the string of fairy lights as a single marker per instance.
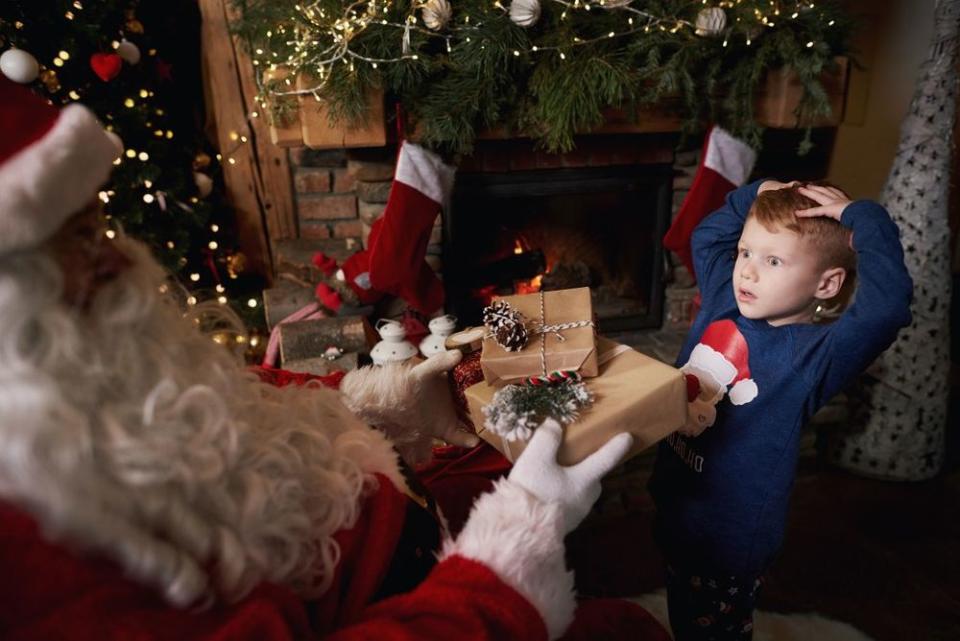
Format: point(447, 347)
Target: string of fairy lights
point(318, 41)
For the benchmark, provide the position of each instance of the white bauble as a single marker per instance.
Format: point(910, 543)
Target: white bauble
point(710, 21)
point(436, 14)
point(19, 66)
point(525, 12)
point(203, 182)
point(129, 52)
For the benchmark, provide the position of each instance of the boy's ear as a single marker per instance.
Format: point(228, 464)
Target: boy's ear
point(831, 280)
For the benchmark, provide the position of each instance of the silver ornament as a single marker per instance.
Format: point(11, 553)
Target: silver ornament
point(436, 14)
point(19, 66)
point(710, 21)
point(525, 13)
point(129, 52)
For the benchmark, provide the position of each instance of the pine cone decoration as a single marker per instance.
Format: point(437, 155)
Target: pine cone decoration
point(506, 326)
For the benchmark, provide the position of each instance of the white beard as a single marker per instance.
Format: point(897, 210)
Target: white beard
point(126, 432)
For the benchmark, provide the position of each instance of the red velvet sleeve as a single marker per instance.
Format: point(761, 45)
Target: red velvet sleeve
point(461, 599)
point(50, 592)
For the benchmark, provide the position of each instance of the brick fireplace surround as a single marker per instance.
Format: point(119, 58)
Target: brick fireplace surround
point(340, 193)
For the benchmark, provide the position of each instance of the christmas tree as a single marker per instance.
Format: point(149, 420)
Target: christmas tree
point(110, 56)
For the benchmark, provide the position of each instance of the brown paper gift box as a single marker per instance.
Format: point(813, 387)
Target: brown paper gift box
point(577, 351)
point(633, 393)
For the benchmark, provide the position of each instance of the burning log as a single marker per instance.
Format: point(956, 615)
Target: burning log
point(505, 271)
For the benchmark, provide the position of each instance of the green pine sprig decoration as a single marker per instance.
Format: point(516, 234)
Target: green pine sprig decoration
point(553, 79)
point(517, 410)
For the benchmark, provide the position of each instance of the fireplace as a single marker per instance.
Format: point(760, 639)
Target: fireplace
point(521, 231)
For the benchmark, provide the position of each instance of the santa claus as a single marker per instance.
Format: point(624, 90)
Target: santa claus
point(152, 488)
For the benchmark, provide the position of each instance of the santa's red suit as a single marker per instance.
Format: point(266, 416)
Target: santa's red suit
point(384, 588)
point(141, 470)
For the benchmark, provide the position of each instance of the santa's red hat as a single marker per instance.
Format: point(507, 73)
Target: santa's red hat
point(723, 351)
point(51, 163)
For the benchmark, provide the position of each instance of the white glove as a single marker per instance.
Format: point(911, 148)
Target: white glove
point(436, 401)
point(576, 488)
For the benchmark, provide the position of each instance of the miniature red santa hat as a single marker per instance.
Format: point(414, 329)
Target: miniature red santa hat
point(723, 351)
point(51, 163)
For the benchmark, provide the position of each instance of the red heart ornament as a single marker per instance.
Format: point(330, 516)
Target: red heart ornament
point(106, 65)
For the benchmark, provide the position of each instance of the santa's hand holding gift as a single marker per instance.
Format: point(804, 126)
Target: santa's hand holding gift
point(152, 488)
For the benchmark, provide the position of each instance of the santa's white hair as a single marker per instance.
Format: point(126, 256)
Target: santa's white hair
point(127, 433)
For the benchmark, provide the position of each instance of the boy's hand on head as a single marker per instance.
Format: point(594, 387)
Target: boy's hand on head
point(769, 185)
point(832, 201)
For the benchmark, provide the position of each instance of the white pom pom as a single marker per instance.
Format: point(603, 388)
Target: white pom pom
point(525, 13)
point(743, 392)
point(116, 140)
point(19, 66)
point(129, 52)
point(436, 14)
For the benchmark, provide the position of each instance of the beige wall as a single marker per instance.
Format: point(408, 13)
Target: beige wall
point(892, 43)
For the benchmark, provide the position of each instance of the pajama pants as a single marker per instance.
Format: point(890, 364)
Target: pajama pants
point(711, 608)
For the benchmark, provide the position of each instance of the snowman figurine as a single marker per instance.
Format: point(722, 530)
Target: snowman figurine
point(440, 328)
point(393, 346)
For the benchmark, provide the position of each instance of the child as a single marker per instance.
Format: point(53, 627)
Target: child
point(757, 368)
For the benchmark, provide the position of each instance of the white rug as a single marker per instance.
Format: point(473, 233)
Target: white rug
point(771, 626)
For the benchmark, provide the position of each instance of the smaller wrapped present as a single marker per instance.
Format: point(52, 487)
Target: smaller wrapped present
point(632, 393)
point(533, 334)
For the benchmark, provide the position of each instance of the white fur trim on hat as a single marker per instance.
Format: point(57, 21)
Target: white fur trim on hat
point(710, 360)
point(743, 392)
point(53, 178)
point(518, 536)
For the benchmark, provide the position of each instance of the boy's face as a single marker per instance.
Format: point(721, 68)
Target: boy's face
point(777, 277)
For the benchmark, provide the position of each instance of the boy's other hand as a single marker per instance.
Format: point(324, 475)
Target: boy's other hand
point(832, 201)
point(768, 185)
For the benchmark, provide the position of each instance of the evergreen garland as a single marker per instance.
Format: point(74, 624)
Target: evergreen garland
point(517, 410)
point(555, 78)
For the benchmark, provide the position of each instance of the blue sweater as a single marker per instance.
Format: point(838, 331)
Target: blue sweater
point(722, 496)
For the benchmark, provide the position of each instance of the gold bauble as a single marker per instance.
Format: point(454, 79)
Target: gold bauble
point(201, 161)
point(236, 264)
point(50, 80)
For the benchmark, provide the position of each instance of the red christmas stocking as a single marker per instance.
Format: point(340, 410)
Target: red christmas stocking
point(421, 185)
point(725, 164)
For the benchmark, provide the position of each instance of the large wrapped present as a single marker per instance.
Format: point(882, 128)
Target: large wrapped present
point(533, 334)
point(632, 393)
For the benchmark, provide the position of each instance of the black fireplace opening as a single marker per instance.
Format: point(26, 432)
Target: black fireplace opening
point(547, 229)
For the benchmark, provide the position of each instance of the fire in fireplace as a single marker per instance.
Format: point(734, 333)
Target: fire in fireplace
point(521, 231)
